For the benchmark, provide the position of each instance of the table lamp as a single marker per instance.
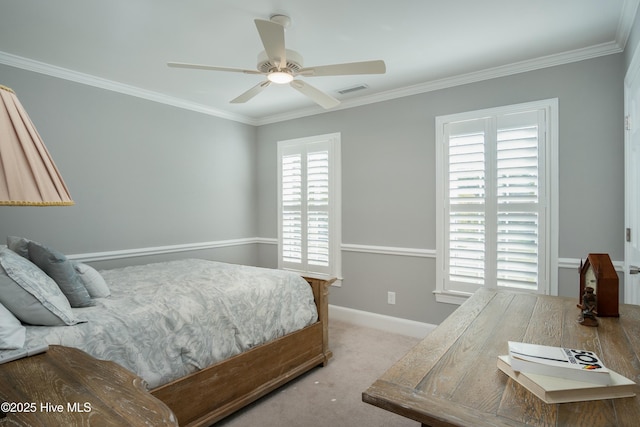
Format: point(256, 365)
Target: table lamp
point(28, 175)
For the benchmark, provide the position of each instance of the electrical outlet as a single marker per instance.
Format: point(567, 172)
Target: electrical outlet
point(391, 297)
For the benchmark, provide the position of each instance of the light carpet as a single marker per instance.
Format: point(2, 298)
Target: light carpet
point(332, 395)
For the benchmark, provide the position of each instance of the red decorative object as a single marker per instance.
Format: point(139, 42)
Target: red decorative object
point(598, 272)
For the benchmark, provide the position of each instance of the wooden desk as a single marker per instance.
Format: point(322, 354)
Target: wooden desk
point(67, 387)
point(451, 378)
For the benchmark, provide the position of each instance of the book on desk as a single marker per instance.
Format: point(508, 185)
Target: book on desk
point(571, 364)
point(560, 375)
point(561, 390)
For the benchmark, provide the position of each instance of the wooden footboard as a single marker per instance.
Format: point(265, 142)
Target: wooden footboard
point(207, 396)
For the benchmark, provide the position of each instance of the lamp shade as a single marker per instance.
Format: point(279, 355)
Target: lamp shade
point(28, 176)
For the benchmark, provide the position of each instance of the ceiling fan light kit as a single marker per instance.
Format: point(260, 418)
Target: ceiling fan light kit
point(282, 66)
point(280, 77)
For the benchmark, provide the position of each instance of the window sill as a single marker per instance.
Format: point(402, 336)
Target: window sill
point(448, 297)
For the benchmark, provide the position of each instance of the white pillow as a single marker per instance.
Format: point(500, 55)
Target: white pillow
point(12, 333)
point(31, 295)
point(92, 280)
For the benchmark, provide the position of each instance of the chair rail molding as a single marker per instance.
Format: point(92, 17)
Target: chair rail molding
point(566, 263)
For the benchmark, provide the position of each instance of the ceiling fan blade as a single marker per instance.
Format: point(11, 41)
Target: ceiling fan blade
point(321, 98)
point(272, 36)
point(251, 92)
point(211, 67)
point(366, 67)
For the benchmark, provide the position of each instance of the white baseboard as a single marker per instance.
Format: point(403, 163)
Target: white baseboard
point(379, 321)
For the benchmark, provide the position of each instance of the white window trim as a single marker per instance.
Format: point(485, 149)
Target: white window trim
point(551, 183)
point(333, 141)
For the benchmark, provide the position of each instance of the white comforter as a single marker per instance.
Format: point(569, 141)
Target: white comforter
point(166, 320)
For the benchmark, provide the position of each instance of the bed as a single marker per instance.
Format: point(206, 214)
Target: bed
point(204, 347)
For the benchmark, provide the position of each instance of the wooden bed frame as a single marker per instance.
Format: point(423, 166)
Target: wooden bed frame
point(207, 396)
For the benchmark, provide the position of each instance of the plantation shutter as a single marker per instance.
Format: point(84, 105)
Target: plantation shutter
point(318, 208)
point(467, 204)
point(292, 230)
point(309, 221)
point(493, 215)
point(518, 199)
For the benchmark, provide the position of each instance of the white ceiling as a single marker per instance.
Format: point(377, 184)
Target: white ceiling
point(124, 45)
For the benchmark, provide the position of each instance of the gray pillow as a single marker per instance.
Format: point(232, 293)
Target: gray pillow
point(92, 280)
point(12, 333)
point(19, 245)
point(60, 269)
point(31, 295)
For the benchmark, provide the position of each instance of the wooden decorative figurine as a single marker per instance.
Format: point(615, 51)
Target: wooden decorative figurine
point(589, 308)
point(597, 272)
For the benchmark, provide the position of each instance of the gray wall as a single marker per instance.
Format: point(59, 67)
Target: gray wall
point(142, 174)
point(145, 174)
point(388, 172)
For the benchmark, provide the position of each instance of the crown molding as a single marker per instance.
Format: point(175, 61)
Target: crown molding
point(429, 86)
point(625, 24)
point(458, 80)
point(90, 80)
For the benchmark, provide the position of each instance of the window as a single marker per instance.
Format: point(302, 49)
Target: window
point(309, 235)
point(497, 200)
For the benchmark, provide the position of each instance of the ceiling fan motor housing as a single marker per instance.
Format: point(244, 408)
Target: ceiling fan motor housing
point(294, 62)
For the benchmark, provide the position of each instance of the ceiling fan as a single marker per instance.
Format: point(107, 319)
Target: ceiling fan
point(282, 66)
